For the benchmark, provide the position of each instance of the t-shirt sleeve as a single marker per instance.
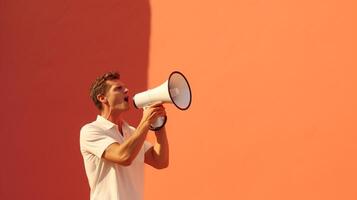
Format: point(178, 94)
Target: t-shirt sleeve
point(94, 140)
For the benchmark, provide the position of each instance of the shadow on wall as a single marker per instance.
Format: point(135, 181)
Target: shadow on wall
point(50, 54)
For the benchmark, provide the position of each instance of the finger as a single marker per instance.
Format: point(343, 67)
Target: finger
point(159, 114)
point(155, 112)
point(157, 104)
point(157, 109)
point(162, 111)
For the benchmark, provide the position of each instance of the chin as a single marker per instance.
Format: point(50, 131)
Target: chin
point(121, 108)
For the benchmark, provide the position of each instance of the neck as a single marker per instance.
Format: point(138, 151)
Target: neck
point(112, 116)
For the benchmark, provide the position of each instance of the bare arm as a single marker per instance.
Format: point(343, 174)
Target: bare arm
point(126, 152)
point(158, 155)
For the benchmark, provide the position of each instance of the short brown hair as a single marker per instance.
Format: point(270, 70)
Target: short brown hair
point(99, 86)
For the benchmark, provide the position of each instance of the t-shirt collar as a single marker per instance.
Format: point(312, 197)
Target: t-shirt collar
point(105, 123)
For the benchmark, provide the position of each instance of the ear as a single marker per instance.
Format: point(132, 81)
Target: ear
point(102, 98)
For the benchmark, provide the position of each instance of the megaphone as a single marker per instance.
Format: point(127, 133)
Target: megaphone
point(175, 90)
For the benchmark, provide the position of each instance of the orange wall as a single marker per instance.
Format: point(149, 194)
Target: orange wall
point(274, 99)
point(274, 94)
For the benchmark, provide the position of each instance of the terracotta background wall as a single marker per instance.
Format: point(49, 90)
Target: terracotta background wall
point(274, 94)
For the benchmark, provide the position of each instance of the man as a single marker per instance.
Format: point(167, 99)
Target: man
point(114, 153)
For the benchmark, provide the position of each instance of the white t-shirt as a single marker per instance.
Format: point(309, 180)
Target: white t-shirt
point(109, 180)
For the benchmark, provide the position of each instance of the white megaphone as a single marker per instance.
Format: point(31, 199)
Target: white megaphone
point(175, 90)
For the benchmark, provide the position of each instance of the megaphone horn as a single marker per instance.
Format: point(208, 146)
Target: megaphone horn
point(175, 90)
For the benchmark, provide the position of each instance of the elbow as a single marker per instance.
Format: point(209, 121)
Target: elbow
point(163, 165)
point(125, 160)
point(125, 163)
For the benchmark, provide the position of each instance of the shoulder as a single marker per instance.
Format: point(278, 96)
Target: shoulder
point(90, 128)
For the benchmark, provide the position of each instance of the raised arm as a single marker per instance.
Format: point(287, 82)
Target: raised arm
point(158, 155)
point(127, 151)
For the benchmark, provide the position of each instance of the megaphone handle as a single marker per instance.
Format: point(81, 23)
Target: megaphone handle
point(159, 127)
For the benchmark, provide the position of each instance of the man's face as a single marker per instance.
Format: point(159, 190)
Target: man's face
point(117, 96)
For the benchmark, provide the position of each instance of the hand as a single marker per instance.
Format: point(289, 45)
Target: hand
point(152, 112)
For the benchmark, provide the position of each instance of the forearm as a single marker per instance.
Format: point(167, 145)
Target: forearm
point(131, 147)
point(161, 148)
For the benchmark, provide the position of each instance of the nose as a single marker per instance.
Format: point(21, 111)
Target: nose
point(126, 90)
